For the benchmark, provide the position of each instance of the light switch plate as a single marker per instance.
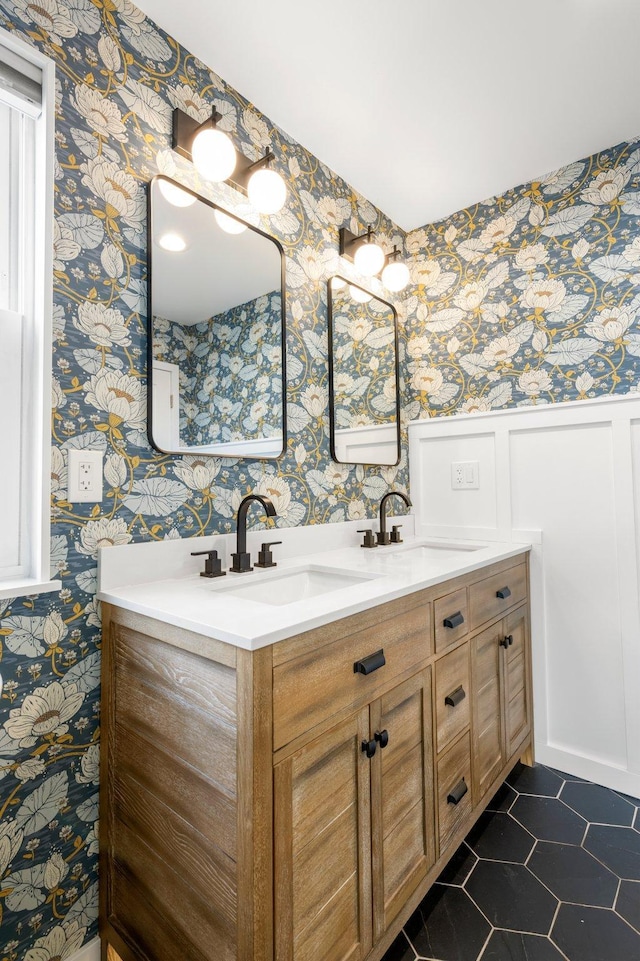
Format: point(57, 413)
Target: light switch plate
point(84, 473)
point(465, 475)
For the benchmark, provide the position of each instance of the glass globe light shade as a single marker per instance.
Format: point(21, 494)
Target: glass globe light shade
point(173, 242)
point(267, 191)
point(360, 295)
point(368, 259)
point(175, 195)
point(395, 275)
point(213, 154)
point(229, 224)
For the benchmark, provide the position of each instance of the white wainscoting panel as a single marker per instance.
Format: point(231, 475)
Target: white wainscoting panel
point(565, 477)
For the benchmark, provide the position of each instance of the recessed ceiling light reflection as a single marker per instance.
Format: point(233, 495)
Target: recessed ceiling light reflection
point(173, 243)
point(229, 224)
point(175, 194)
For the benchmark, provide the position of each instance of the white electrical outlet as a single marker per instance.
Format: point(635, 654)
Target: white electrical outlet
point(84, 472)
point(465, 475)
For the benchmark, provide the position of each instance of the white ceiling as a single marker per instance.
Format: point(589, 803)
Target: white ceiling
point(428, 106)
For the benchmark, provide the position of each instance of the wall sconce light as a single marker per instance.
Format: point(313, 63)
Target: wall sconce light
point(216, 159)
point(369, 258)
point(395, 274)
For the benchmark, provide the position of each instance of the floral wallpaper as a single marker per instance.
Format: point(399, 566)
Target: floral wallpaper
point(364, 375)
point(532, 297)
point(228, 388)
point(118, 78)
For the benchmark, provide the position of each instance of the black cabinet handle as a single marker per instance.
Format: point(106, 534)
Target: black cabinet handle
point(369, 748)
point(456, 793)
point(455, 697)
point(510, 639)
point(382, 737)
point(504, 642)
point(367, 665)
point(454, 620)
point(503, 593)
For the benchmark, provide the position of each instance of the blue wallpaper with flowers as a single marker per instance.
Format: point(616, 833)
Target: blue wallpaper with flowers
point(118, 78)
point(532, 297)
point(228, 386)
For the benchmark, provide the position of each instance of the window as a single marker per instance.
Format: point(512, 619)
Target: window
point(26, 219)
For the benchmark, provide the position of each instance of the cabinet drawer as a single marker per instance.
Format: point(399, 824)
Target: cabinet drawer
point(484, 602)
point(452, 696)
point(309, 689)
point(447, 612)
point(454, 774)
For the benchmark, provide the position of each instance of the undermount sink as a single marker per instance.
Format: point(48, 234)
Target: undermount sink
point(288, 587)
point(423, 553)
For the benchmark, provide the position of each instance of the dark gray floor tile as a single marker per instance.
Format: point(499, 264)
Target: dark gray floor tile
point(514, 946)
point(573, 875)
point(511, 897)
point(447, 926)
point(400, 950)
point(535, 780)
point(618, 848)
point(594, 934)
point(502, 799)
point(597, 804)
point(498, 837)
point(459, 867)
point(628, 902)
point(549, 819)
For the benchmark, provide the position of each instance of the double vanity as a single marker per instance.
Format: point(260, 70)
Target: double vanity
point(291, 756)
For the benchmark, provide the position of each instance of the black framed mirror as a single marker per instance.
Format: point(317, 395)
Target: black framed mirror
point(216, 337)
point(364, 380)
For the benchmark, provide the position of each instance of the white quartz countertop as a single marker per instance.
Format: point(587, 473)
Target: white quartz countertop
point(359, 579)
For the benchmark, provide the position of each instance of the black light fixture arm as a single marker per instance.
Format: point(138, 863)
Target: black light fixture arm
point(349, 242)
point(184, 131)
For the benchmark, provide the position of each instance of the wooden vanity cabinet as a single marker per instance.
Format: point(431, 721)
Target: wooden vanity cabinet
point(280, 805)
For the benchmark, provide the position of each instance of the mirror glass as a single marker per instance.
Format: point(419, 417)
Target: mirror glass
point(216, 336)
point(363, 376)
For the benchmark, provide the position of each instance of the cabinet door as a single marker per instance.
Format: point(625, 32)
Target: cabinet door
point(323, 847)
point(486, 654)
point(516, 681)
point(402, 796)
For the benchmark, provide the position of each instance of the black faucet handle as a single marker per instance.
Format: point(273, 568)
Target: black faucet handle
point(383, 538)
point(369, 539)
point(265, 557)
point(212, 565)
point(395, 534)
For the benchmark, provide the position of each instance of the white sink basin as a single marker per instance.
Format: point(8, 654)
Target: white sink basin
point(425, 554)
point(288, 587)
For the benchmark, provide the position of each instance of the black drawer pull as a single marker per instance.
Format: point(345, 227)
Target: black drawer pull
point(370, 664)
point(369, 748)
point(455, 697)
point(503, 593)
point(382, 737)
point(505, 642)
point(456, 793)
point(455, 620)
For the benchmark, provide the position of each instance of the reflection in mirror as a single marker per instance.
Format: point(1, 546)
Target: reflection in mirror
point(216, 335)
point(364, 404)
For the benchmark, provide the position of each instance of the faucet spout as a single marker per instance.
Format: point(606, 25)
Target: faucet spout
point(241, 559)
point(383, 536)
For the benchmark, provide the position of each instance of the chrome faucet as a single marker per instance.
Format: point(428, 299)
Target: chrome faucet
point(242, 559)
point(382, 535)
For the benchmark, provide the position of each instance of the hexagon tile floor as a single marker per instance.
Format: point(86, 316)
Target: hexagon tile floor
point(551, 872)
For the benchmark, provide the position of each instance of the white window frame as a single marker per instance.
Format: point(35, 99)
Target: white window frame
point(32, 576)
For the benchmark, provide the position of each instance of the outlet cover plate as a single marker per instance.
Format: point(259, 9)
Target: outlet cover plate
point(465, 475)
point(84, 473)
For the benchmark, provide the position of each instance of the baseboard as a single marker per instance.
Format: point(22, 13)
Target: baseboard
point(88, 952)
point(591, 770)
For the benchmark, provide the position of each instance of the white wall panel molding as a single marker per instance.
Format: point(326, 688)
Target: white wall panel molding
point(572, 472)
